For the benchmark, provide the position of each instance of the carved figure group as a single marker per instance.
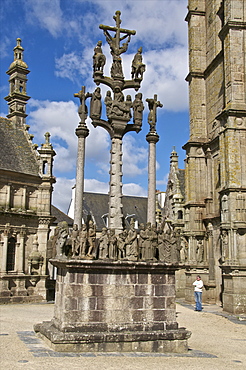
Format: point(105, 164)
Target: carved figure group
point(147, 244)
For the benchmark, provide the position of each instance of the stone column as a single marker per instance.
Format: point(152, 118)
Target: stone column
point(82, 132)
point(4, 253)
point(152, 139)
point(210, 253)
point(115, 186)
point(24, 197)
point(20, 251)
point(8, 197)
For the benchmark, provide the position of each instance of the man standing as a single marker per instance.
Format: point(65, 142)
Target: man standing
point(198, 283)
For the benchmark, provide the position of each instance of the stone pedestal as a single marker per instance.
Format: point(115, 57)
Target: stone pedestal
point(113, 306)
point(234, 289)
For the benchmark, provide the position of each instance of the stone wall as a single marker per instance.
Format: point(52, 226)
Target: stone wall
point(112, 306)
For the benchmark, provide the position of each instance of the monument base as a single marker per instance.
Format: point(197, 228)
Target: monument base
point(114, 306)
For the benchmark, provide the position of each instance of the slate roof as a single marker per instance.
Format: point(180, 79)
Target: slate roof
point(15, 150)
point(60, 216)
point(95, 205)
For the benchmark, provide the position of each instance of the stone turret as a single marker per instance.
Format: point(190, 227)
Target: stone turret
point(17, 98)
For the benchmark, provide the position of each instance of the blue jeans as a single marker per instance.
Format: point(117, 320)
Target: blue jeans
point(198, 300)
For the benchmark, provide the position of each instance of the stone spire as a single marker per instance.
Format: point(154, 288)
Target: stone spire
point(17, 98)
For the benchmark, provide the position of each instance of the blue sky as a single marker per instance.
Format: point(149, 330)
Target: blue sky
point(59, 37)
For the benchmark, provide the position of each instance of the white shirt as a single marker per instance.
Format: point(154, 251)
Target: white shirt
point(198, 285)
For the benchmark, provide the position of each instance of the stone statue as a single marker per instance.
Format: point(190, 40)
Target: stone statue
point(108, 102)
point(119, 107)
point(122, 245)
point(138, 108)
point(141, 239)
point(116, 68)
point(199, 251)
point(153, 104)
point(112, 247)
point(167, 246)
point(154, 240)
point(91, 239)
point(83, 241)
point(83, 110)
point(96, 104)
point(224, 245)
point(75, 239)
point(128, 105)
point(148, 243)
point(99, 58)
point(132, 243)
point(103, 244)
point(62, 238)
point(161, 245)
point(138, 68)
point(35, 260)
point(183, 250)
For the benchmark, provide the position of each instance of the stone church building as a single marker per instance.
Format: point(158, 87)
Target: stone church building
point(26, 184)
point(207, 201)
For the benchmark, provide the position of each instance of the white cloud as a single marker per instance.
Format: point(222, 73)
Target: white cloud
point(134, 157)
point(156, 21)
point(46, 13)
point(72, 64)
point(63, 193)
point(134, 190)
point(163, 181)
point(95, 186)
point(61, 119)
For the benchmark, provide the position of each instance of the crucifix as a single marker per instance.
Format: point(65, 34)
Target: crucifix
point(153, 104)
point(82, 111)
point(114, 42)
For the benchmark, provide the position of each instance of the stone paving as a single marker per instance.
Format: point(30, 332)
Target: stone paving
point(217, 341)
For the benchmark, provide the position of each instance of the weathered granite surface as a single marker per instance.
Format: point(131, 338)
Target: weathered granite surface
point(114, 306)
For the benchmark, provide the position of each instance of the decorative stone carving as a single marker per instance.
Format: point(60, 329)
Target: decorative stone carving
point(83, 241)
point(75, 239)
point(122, 245)
point(83, 110)
point(183, 249)
point(153, 104)
point(96, 104)
point(35, 260)
point(112, 245)
point(142, 237)
point(138, 108)
point(200, 251)
point(224, 245)
point(108, 102)
point(99, 58)
point(131, 243)
point(138, 68)
point(91, 239)
point(61, 238)
point(103, 244)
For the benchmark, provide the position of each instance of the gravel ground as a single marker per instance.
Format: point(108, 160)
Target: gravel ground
point(218, 342)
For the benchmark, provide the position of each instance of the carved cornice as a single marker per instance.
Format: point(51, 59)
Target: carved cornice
point(194, 74)
point(231, 25)
point(194, 12)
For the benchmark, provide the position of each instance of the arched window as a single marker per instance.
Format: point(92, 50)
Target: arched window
point(11, 254)
point(45, 168)
point(180, 215)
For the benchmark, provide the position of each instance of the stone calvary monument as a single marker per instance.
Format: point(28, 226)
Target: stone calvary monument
point(116, 292)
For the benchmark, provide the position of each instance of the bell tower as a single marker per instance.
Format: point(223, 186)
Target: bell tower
point(17, 98)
